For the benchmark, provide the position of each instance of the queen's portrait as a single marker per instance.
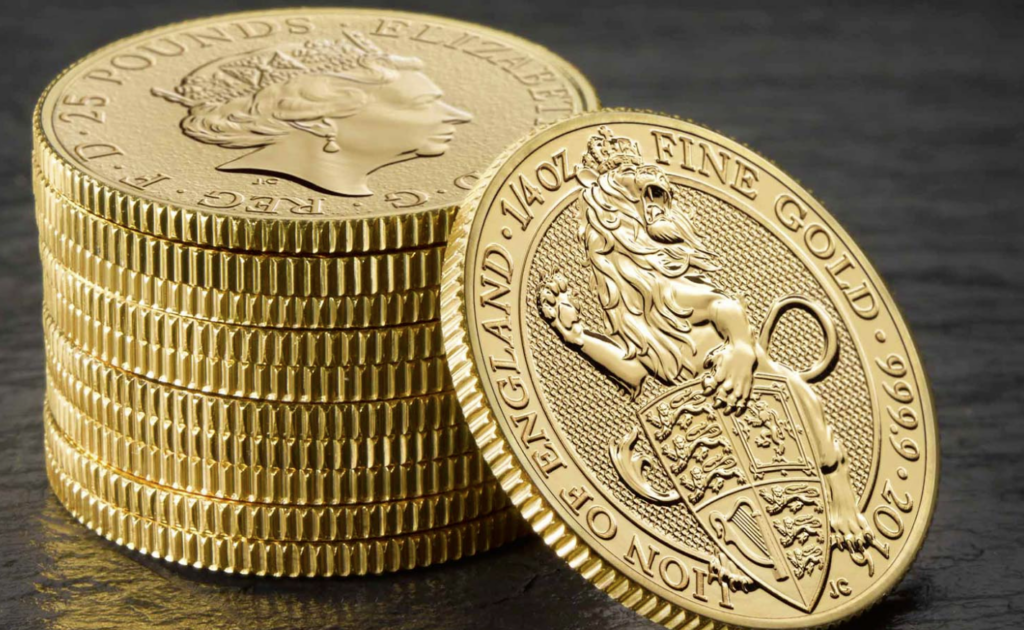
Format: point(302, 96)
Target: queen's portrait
point(325, 113)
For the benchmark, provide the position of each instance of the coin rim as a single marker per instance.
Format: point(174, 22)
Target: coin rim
point(368, 552)
point(362, 486)
point(242, 309)
point(106, 324)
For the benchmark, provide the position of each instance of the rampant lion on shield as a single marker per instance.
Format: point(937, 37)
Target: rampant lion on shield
point(734, 417)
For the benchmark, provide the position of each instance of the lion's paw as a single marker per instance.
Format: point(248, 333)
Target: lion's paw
point(721, 569)
point(730, 375)
point(850, 531)
point(553, 291)
point(559, 308)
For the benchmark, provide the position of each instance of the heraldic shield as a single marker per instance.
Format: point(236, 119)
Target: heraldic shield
point(751, 480)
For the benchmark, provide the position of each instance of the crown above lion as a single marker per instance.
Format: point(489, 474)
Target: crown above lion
point(242, 75)
point(605, 152)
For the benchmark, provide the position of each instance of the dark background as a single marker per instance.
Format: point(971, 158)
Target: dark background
point(906, 121)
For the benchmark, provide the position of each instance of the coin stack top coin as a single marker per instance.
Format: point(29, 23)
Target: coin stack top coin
point(242, 225)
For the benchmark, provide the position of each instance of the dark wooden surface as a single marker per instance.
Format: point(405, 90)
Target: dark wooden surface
point(907, 122)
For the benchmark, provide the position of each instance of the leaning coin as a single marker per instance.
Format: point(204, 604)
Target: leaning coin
point(688, 377)
point(306, 130)
point(295, 558)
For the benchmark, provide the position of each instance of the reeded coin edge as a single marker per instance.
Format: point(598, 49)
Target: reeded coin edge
point(275, 521)
point(362, 421)
point(119, 253)
point(284, 559)
point(254, 310)
point(281, 486)
point(361, 383)
point(108, 325)
point(196, 444)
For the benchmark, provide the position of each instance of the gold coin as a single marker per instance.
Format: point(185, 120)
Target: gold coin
point(688, 377)
point(361, 132)
point(262, 521)
point(162, 413)
point(77, 239)
point(190, 442)
point(284, 558)
point(276, 485)
point(264, 382)
point(109, 327)
point(312, 313)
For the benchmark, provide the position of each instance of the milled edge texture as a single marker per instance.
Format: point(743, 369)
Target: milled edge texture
point(311, 314)
point(358, 383)
point(106, 324)
point(283, 559)
point(282, 486)
point(190, 510)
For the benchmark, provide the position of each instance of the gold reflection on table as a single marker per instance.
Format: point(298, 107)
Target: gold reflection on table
point(87, 583)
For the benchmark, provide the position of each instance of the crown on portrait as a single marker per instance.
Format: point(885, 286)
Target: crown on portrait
point(606, 152)
point(242, 75)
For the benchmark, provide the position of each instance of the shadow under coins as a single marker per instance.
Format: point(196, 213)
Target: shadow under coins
point(88, 583)
point(85, 582)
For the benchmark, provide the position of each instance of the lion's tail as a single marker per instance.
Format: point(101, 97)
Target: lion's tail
point(827, 360)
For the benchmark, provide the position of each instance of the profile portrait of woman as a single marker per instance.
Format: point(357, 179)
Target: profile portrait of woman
point(326, 113)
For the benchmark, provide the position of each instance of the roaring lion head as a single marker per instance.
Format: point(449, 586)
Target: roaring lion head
point(639, 239)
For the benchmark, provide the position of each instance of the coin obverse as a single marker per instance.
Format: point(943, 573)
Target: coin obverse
point(300, 131)
point(688, 377)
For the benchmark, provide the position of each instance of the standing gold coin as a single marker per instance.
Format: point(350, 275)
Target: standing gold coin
point(688, 377)
point(306, 130)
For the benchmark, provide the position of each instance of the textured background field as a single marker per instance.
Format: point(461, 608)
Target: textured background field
point(906, 122)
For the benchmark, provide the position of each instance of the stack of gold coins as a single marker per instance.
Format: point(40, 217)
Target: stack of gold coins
point(242, 224)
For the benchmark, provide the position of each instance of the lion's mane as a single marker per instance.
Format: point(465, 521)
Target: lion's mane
point(632, 273)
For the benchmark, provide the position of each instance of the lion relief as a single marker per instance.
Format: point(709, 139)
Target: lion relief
point(665, 317)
